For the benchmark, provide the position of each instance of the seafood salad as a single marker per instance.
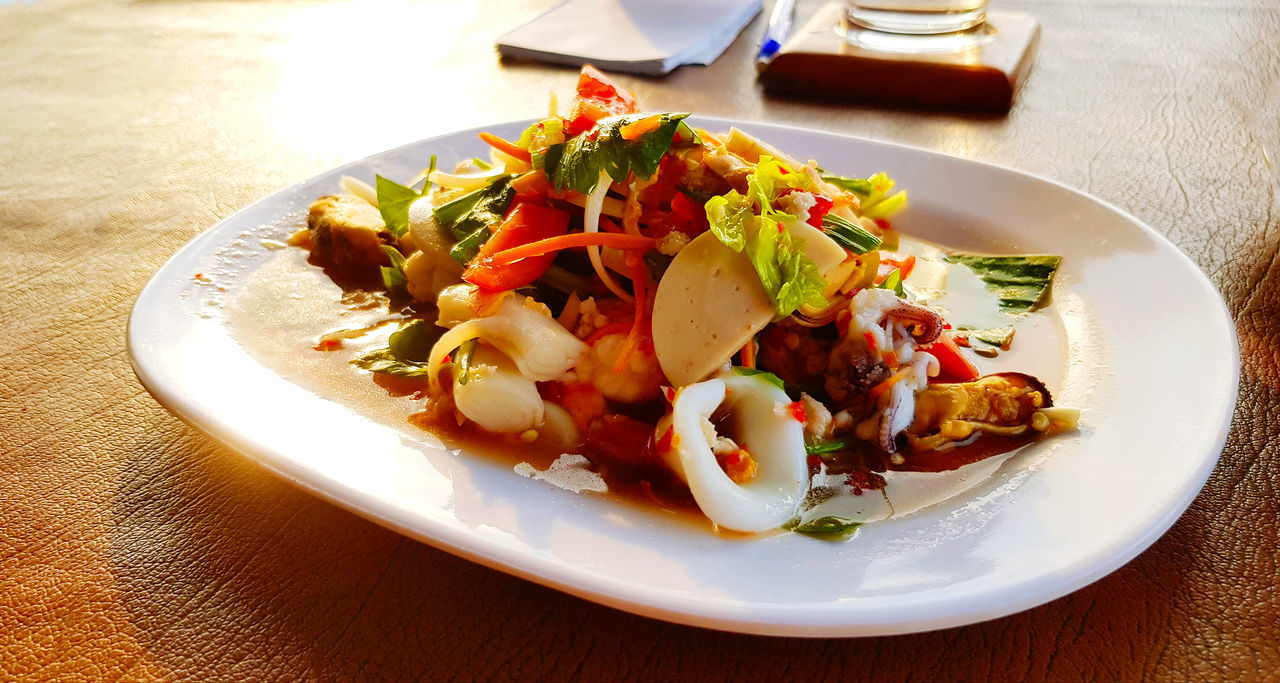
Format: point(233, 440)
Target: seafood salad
point(696, 313)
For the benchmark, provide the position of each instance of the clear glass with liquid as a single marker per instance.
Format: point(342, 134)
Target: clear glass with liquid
point(917, 17)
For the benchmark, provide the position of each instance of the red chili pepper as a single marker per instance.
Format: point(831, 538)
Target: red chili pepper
point(797, 411)
point(821, 208)
point(665, 441)
point(686, 216)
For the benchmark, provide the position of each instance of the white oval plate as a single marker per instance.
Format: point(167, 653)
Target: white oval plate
point(1139, 340)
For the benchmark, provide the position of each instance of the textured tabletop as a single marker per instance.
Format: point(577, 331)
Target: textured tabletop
point(132, 547)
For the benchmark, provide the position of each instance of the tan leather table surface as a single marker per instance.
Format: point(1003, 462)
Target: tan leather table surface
point(133, 547)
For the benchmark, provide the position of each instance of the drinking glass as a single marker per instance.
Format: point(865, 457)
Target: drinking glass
point(917, 17)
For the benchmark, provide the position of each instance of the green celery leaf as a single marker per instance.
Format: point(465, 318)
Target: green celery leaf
point(1020, 282)
point(728, 215)
point(789, 276)
point(802, 284)
point(578, 162)
point(869, 190)
point(762, 250)
point(886, 207)
point(770, 179)
point(874, 193)
point(762, 374)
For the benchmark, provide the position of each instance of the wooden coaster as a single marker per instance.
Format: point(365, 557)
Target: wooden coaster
point(978, 69)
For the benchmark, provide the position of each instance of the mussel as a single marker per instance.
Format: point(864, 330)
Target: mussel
point(959, 423)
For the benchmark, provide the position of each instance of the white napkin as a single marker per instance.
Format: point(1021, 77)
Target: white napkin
point(635, 36)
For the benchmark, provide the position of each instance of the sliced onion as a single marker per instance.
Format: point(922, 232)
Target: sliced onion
point(359, 188)
point(591, 223)
point(464, 181)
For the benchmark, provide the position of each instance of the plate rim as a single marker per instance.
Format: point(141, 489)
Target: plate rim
point(805, 619)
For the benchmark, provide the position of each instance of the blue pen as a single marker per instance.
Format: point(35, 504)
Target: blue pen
point(775, 34)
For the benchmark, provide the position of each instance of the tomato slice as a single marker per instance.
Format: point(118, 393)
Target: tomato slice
point(597, 98)
point(952, 366)
point(526, 222)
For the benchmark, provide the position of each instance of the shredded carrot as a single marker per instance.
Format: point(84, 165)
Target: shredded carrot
point(570, 241)
point(871, 341)
point(749, 353)
point(888, 383)
point(639, 285)
point(635, 129)
point(509, 148)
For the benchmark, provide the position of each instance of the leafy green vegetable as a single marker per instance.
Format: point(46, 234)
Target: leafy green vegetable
point(893, 281)
point(889, 205)
point(876, 202)
point(406, 353)
point(470, 218)
point(762, 374)
point(799, 282)
point(995, 336)
point(578, 162)
point(383, 361)
point(1020, 282)
point(728, 215)
point(749, 224)
point(827, 447)
point(849, 235)
point(393, 203)
point(859, 186)
point(413, 341)
point(466, 248)
point(394, 200)
point(393, 277)
point(463, 362)
point(770, 179)
point(829, 527)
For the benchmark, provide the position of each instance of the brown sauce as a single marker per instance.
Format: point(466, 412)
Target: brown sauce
point(632, 472)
